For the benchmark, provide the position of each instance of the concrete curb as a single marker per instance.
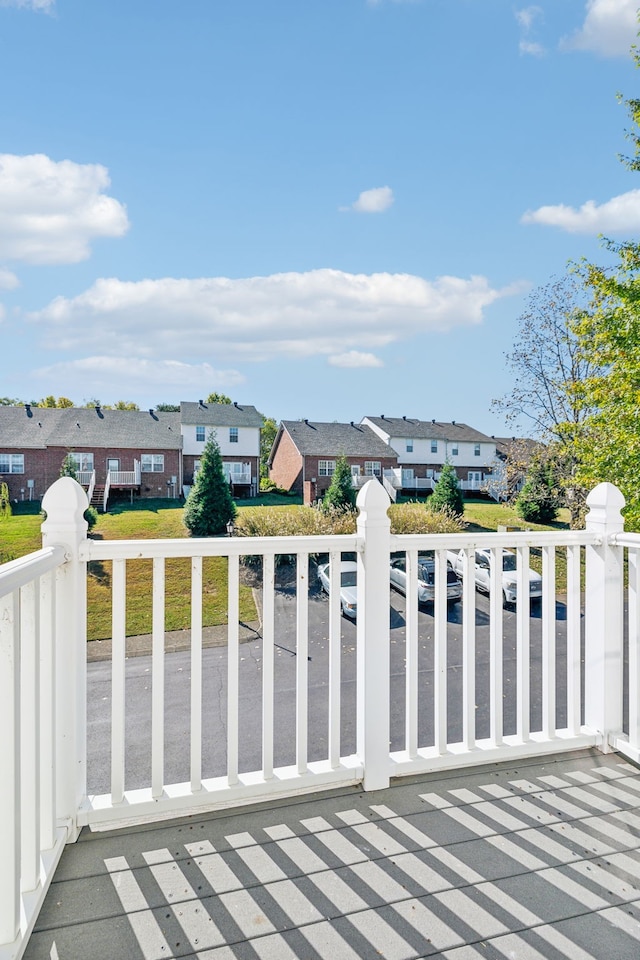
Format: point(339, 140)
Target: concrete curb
point(175, 640)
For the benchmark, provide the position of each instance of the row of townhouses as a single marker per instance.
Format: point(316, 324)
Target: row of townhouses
point(157, 454)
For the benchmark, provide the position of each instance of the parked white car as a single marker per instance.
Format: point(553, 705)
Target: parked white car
point(426, 579)
point(509, 581)
point(348, 586)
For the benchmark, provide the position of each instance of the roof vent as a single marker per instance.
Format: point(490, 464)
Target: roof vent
point(99, 411)
point(77, 425)
point(403, 417)
point(352, 424)
point(201, 404)
point(453, 422)
point(382, 416)
point(236, 405)
point(433, 421)
point(39, 423)
point(306, 421)
point(27, 407)
point(151, 411)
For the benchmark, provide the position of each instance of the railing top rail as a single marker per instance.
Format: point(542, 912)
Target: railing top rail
point(17, 573)
point(625, 540)
point(479, 540)
point(215, 547)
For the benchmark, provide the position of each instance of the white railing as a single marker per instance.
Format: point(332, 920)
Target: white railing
point(84, 477)
point(478, 485)
point(39, 695)
point(105, 495)
point(124, 478)
point(418, 483)
point(454, 718)
point(92, 485)
point(392, 493)
point(240, 476)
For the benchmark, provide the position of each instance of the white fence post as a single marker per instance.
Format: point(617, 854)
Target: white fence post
point(603, 616)
point(373, 636)
point(64, 504)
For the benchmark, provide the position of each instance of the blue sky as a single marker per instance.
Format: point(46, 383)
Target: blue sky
point(325, 208)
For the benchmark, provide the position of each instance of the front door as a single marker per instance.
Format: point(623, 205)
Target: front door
point(113, 465)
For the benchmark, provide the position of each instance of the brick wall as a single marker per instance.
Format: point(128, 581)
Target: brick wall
point(43, 467)
point(286, 469)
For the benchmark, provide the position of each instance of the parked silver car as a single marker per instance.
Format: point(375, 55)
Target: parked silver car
point(348, 586)
point(508, 580)
point(426, 579)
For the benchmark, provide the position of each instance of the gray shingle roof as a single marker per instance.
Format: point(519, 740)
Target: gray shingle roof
point(334, 439)
point(220, 414)
point(86, 427)
point(428, 429)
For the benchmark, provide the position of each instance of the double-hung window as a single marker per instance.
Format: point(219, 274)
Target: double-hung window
point(326, 468)
point(200, 434)
point(83, 462)
point(233, 434)
point(152, 462)
point(476, 449)
point(454, 450)
point(372, 468)
point(409, 446)
point(11, 462)
point(434, 446)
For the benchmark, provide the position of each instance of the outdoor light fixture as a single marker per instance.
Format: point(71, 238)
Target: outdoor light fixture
point(231, 528)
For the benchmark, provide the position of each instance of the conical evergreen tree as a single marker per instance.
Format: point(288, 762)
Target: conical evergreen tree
point(68, 467)
point(209, 506)
point(541, 495)
point(447, 493)
point(341, 494)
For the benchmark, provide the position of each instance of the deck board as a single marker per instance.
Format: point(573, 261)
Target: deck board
point(536, 860)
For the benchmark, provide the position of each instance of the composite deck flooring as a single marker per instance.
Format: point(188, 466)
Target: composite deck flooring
point(537, 860)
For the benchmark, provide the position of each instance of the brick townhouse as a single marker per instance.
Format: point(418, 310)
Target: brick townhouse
point(304, 453)
point(139, 451)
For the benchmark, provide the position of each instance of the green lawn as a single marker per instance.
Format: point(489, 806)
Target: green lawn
point(145, 520)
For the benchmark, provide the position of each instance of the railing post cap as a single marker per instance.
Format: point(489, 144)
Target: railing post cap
point(605, 504)
point(64, 503)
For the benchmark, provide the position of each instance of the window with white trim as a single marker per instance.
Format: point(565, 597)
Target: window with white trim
point(11, 462)
point(372, 468)
point(454, 450)
point(233, 434)
point(200, 437)
point(326, 468)
point(83, 462)
point(355, 469)
point(476, 449)
point(152, 462)
point(409, 446)
point(434, 446)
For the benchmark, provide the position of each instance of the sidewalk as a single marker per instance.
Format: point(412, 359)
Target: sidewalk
point(173, 641)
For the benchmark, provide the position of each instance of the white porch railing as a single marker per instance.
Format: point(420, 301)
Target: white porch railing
point(43, 675)
point(125, 478)
point(84, 477)
point(477, 485)
point(92, 485)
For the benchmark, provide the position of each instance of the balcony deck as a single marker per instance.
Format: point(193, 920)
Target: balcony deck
point(534, 859)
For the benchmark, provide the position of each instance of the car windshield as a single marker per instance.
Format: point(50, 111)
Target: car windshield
point(348, 578)
point(509, 561)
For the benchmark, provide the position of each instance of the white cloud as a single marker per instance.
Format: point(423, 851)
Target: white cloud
point(354, 358)
point(531, 49)
point(46, 5)
point(322, 312)
point(119, 373)
point(51, 211)
point(372, 201)
point(620, 215)
point(8, 280)
point(527, 16)
point(3, 312)
point(609, 28)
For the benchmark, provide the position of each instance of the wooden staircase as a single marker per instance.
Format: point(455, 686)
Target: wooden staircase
point(97, 497)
